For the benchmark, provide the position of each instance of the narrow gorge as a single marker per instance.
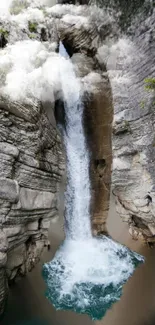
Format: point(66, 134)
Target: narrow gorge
point(74, 101)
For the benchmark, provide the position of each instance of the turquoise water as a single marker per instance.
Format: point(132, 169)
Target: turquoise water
point(33, 322)
point(88, 277)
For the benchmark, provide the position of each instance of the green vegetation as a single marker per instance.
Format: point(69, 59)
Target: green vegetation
point(127, 125)
point(43, 9)
point(33, 27)
point(142, 104)
point(4, 32)
point(150, 84)
point(17, 7)
point(32, 36)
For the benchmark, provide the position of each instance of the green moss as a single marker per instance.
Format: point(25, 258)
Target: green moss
point(16, 10)
point(44, 11)
point(18, 6)
point(32, 36)
point(150, 84)
point(127, 126)
point(33, 27)
point(142, 104)
point(4, 32)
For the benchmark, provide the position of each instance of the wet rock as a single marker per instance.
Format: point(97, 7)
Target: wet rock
point(16, 257)
point(44, 36)
point(3, 38)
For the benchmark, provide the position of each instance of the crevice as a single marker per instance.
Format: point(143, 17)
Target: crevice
point(3, 40)
point(30, 241)
point(39, 223)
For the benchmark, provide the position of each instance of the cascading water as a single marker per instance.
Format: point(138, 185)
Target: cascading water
point(78, 185)
point(86, 274)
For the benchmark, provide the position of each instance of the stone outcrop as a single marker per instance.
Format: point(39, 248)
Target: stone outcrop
point(133, 180)
point(31, 165)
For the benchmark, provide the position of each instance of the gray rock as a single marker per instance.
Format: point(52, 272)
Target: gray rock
point(45, 223)
point(9, 189)
point(16, 257)
point(33, 199)
point(9, 149)
point(133, 137)
point(32, 226)
point(3, 260)
point(3, 242)
point(31, 167)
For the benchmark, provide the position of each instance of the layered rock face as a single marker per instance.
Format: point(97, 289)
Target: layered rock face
point(133, 179)
point(31, 168)
point(31, 159)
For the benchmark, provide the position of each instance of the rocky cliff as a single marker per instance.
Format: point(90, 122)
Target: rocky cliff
point(30, 170)
point(31, 159)
point(133, 179)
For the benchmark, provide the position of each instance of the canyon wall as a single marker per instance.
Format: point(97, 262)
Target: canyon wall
point(133, 180)
point(31, 160)
point(31, 165)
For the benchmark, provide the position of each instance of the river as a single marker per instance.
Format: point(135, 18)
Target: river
point(27, 304)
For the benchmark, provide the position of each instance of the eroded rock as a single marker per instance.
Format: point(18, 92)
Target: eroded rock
point(133, 136)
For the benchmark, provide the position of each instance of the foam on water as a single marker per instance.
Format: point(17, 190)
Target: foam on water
point(86, 274)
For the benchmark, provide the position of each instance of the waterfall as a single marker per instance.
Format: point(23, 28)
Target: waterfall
point(78, 185)
point(87, 274)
